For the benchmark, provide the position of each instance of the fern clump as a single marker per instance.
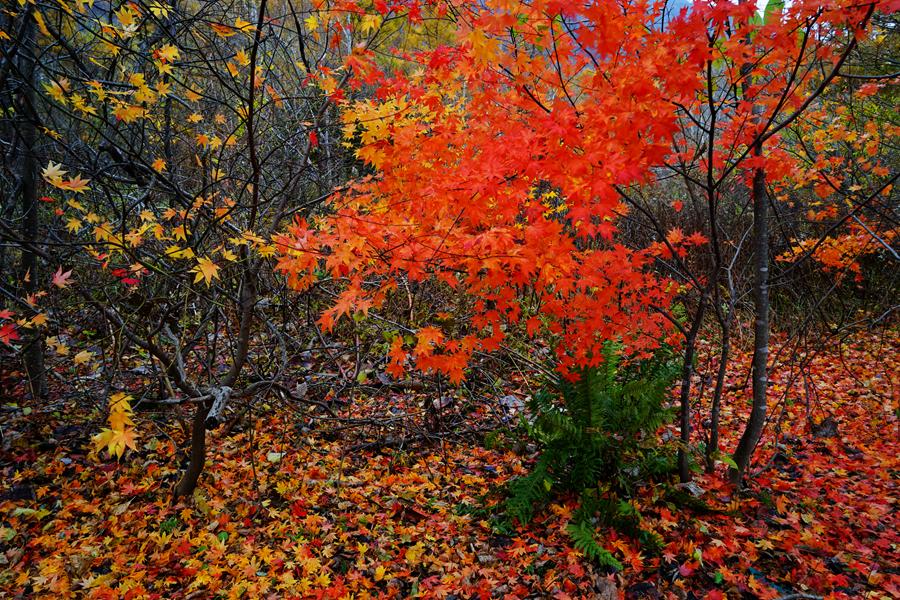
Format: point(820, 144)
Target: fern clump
point(597, 440)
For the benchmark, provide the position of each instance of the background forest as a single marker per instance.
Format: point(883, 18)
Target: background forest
point(401, 298)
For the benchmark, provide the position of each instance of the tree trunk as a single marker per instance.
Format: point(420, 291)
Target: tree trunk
point(712, 448)
point(33, 346)
point(248, 292)
point(756, 422)
point(684, 463)
point(188, 481)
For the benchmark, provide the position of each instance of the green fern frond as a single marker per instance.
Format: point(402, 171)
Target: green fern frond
point(527, 491)
point(582, 535)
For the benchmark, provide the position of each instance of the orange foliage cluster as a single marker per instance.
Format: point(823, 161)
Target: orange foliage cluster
point(842, 252)
point(499, 164)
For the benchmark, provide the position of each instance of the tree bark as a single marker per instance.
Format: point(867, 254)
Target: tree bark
point(757, 420)
point(188, 481)
point(684, 462)
point(33, 346)
point(712, 448)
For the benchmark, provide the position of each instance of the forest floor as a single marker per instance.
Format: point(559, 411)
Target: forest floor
point(298, 507)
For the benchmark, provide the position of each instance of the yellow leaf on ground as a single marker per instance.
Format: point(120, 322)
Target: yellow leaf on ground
point(83, 357)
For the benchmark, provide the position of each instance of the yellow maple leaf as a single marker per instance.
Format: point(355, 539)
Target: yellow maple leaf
point(97, 90)
point(159, 9)
point(414, 553)
point(58, 90)
point(52, 133)
point(222, 30)
point(328, 84)
point(267, 250)
point(176, 252)
point(168, 53)
point(128, 112)
point(42, 26)
point(120, 410)
point(484, 48)
point(144, 95)
point(83, 357)
point(116, 442)
point(126, 16)
point(53, 173)
point(206, 270)
point(137, 80)
point(58, 347)
point(369, 23)
point(244, 26)
point(81, 106)
point(181, 232)
point(159, 165)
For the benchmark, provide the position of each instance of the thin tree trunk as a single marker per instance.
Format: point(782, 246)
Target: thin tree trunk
point(188, 481)
point(756, 422)
point(33, 348)
point(684, 462)
point(712, 448)
point(248, 291)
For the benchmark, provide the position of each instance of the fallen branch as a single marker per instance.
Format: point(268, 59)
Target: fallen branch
point(220, 397)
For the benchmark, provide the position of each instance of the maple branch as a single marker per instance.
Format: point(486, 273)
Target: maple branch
point(177, 401)
point(581, 46)
point(299, 27)
point(558, 64)
point(526, 90)
point(878, 239)
point(766, 133)
point(220, 397)
point(536, 101)
point(870, 77)
point(662, 234)
point(9, 57)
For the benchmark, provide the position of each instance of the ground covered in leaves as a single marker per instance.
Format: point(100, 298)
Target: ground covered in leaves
point(297, 507)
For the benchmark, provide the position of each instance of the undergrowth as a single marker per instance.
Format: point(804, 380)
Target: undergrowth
point(597, 439)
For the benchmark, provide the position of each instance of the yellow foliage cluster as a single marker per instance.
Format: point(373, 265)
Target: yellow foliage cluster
point(121, 433)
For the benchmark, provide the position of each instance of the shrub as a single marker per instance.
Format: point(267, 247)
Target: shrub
point(598, 440)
